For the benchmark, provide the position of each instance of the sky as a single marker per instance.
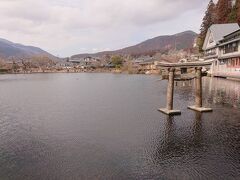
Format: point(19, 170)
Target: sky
point(68, 27)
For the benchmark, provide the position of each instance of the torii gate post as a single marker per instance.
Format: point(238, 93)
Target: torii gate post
point(170, 92)
point(198, 93)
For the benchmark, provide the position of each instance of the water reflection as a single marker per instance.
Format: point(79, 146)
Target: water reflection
point(204, 148)
point(216, 91)
point(175, 144)
point(197, 130)
point(184, 84)
point(222, 91)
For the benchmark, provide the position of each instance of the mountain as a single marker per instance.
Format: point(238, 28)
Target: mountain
point(180, 41)
point(9, 50)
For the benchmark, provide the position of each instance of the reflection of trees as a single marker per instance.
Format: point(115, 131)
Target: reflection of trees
point(174, 145)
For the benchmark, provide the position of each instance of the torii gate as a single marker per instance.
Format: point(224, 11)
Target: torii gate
point(198, 86)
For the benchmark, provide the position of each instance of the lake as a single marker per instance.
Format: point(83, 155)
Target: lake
point(106, 126)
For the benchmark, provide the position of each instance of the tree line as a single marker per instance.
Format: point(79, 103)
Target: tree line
point(224, 11)
point(26, 64)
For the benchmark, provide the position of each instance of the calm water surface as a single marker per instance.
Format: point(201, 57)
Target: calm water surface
point(104, 126)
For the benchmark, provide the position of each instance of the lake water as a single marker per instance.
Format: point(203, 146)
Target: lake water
point(106, 126)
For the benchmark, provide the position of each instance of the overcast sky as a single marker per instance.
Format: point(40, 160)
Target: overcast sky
point(67, 27)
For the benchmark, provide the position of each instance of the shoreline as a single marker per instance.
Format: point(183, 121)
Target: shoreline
point(80, 71)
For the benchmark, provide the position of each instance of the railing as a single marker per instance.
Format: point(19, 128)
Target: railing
point(210, 54)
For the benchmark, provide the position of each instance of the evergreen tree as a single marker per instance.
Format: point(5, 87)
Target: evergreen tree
point(233, 15)
point(238, 10)
point(223, 11)
point(208, 20)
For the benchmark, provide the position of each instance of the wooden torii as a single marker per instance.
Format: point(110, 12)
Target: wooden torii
point(171, 67)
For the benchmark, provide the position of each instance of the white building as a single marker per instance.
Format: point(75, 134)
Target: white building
point(222, 46)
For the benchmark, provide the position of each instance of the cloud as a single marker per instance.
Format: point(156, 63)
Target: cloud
point(62, 25)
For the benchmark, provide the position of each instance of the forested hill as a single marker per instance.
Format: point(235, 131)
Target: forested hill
point(180, 41)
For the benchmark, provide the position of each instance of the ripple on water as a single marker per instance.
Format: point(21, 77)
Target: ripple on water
point(103, 126)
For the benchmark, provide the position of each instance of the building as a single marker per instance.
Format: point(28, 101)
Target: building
point(86, 62)
point(222, 46)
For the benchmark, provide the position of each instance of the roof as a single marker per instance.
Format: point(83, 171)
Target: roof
point(232, 33)
point(220, 30)
point(217, 32)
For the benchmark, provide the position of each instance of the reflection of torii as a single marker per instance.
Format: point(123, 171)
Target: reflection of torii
point(173, 146)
